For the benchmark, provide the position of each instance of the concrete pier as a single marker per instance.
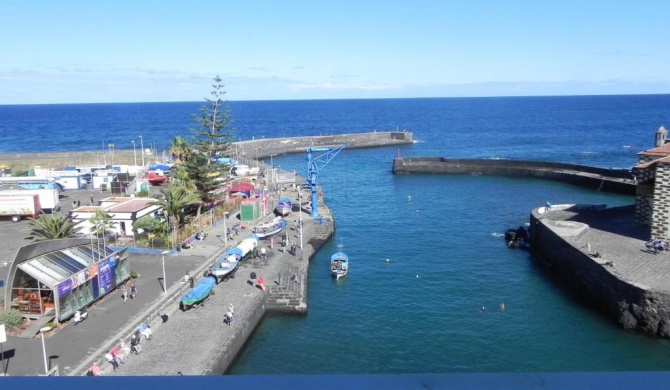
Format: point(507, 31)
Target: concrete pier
point(197, 342)
point(265, 147)
point(602, 255)
point(602, 179)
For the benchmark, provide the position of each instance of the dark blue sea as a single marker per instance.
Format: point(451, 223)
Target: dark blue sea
point(420, 311)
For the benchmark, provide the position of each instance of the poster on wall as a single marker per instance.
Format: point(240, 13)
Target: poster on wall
point(106, 276)
point(92, 271)
point(64, 287)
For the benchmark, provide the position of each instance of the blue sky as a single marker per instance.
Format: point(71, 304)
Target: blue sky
point(133, 51)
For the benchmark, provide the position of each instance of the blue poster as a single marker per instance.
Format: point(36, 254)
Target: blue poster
point(64, 287)
point(106, 276)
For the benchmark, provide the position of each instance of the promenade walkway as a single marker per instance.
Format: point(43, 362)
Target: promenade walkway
point(178, 345)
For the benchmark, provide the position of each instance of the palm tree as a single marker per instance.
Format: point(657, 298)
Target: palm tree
point(175, 198)
point(101, 222)
point(179, 149)
point(51, 227)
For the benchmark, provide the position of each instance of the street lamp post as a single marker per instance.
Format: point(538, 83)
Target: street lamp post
point(163, 261)
point(225, 236)
point(258, 147)
point(134, 151)
point(44, 349)
point(142, 147)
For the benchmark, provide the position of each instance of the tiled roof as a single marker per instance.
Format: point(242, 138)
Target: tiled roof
point(663, 150)
point(665, 159)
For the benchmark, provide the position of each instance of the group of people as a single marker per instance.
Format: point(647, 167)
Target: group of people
point(128, 291)
point(120, 352)
point(658, 245)
point(260, 254)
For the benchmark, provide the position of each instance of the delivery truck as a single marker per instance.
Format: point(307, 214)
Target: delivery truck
point(49, 197)
point(19, 206)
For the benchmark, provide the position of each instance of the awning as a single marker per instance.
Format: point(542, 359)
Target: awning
point(242, 187)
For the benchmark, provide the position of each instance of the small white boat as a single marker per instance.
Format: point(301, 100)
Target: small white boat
point(270, 228)
point(284, 206)
point(339, 264)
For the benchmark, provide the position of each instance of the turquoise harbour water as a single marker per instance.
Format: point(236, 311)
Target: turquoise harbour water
point(420, 312)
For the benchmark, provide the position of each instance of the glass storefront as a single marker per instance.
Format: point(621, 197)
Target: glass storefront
point(64, 281)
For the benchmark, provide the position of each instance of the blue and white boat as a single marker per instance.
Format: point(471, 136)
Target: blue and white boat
point(226, 265)
point(198, 294)
point(269, 229)
point(339, 264)
point(284, 207)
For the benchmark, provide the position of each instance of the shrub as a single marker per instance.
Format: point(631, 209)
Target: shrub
point(11, 317)
point(133, 274)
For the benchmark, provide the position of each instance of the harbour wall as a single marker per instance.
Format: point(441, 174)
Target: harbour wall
point(266, 147)
point(286, 297)
point(602, 179)
point(633, 306)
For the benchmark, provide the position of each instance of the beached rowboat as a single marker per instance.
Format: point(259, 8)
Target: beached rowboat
point(198, 294)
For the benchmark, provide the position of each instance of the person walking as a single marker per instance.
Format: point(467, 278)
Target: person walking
point(111, 360)
point(261, 283)
point(124, 293)
point(133, 291)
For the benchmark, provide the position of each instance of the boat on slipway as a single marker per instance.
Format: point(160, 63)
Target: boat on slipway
point(269, 229)
point(226, 265)
point(284, 207)
point(198, 294)
point(339, 264)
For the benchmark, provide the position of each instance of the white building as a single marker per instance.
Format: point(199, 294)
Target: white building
point(124, 212)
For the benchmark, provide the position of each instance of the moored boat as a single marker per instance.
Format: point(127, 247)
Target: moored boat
point(198, 294)
point(271, 228)
point(339, 264)
point(284, 206)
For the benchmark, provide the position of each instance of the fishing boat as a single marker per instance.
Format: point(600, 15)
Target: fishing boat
point(269, 229)
point(284, 206)
point(198, 294)
point(339, 264)
point(226, 265)
point(247, 246)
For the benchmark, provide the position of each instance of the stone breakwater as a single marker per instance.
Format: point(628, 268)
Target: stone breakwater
point(601, 254)
point(263, 148)
point(602, 179)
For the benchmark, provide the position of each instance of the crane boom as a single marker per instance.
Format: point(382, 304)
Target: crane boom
point(314, 166)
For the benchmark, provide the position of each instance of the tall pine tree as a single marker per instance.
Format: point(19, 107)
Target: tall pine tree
point(211, 140)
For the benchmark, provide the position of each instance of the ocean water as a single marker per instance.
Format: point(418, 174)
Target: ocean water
point(433, 306)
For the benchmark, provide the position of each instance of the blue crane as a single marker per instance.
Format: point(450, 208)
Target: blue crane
point(314, 166)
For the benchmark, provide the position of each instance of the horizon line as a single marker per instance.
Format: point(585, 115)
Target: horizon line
point(338, 99)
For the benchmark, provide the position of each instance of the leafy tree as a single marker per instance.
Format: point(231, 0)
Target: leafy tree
point(51, 227)
point(151, 224)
